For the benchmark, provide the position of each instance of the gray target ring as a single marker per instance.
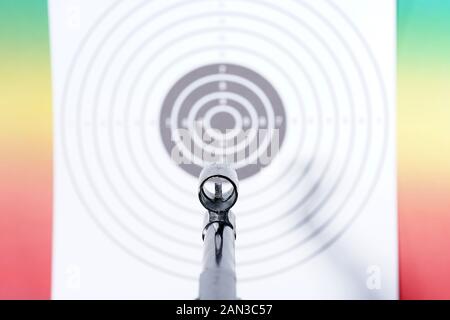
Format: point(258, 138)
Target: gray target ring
point(235, 107)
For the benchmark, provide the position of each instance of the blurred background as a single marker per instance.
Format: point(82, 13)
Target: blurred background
point(423, 149)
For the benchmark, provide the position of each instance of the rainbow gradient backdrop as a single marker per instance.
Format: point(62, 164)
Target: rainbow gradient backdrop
point(25, 150)
point(423, 149)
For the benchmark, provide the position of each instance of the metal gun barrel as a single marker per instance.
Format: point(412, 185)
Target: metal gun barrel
point(218, 192)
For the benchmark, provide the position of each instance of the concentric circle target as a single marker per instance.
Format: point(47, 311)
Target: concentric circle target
point(147, 73)
point(228, 109)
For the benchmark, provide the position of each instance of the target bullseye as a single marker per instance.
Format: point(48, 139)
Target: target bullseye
point(223, 122)
point(219, 83)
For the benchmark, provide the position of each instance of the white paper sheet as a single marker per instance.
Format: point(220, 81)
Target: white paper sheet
point(318, 222)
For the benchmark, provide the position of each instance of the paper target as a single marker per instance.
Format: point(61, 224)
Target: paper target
point(145, 68)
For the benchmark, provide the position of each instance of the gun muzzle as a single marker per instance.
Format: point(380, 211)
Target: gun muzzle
point(218, 192)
